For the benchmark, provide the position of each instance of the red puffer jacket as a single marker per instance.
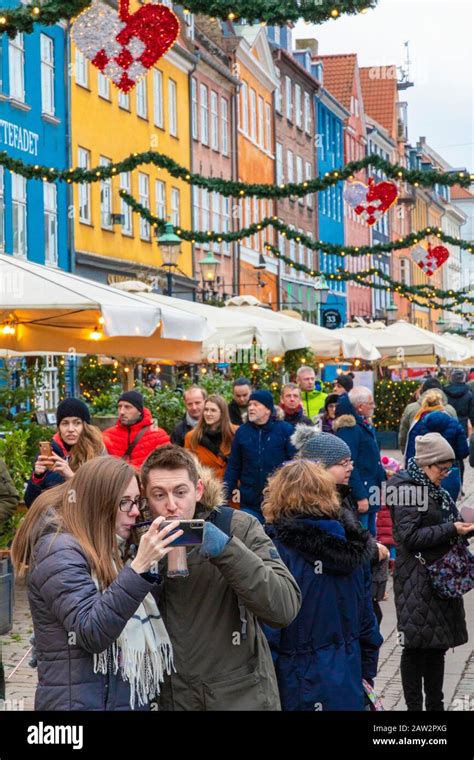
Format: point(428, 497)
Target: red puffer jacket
point(118, 438)
point(385, 527)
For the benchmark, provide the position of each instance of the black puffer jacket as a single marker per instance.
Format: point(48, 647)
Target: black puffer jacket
point(461, 397)
point(425, 619)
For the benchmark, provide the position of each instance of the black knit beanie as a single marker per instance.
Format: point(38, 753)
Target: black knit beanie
point(73, 407)
point(134, 398)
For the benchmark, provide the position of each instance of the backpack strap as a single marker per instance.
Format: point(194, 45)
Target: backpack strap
point(222, 519)
point(137, 438)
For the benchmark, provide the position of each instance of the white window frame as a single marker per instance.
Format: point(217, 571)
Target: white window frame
point(298, 107)
point(308, 176)
point(81, 69)
point(205, 210)
point(288, 99)
point(253, 115)
point(47, 74)
point(279, 163)
point(278, 93)
point(196, 196)
point(173, 107)
point(175, 207)
point(225, 126)
point(124, 100)
point(214, 120)
point(290, 166)
point(103, 86)
point(268, 128)
point(261, 122)
point(158, 110)
point(216, 217)
point(204, 109)
point(194, 109)
point(299, 176)
point(50, 216)
point(19, 215)
point(307, 113)
point(142, 98)
point(144, 199)
point(225, 211)
point(105, 197)
point(16, 65)
point(160, 198)
point(244, 93)
point(85, 211)
point(125, 209)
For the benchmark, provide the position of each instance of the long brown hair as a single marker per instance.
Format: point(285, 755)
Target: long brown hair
point(86, 507)
point(225, 426)
point(89, 445)
point(300, 487)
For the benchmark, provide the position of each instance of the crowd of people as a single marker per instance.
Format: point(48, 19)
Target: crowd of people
point(279, 606)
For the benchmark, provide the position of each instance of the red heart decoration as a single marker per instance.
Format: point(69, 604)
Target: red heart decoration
point(380, 197)
point(125, 46)
point(430, 259)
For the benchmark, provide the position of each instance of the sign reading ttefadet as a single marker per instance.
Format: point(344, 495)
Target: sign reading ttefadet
point(45, 734)
point(18, 137)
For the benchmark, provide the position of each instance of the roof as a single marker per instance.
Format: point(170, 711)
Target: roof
point(461, 193)
point(379, 91)
point(339, 73)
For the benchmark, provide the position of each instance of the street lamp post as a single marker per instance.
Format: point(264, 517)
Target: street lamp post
point(169, 245)
point(391, 312)
point(323, 289)
point(208, 266)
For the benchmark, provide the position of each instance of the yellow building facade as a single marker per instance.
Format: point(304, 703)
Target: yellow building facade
point(107, 126)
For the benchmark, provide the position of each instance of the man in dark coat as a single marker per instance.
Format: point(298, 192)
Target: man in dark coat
point(290, 403)
point(194, 398)
point(238, 407)
point(352, 424)
point(260, 446)
point(461, 397)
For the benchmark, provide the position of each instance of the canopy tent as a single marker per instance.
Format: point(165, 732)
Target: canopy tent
point(321, 341)
point(227, 332)
point(402, 340)
point(46, 309)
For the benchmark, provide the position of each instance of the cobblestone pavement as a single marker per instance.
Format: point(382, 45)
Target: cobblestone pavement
point(459, 674)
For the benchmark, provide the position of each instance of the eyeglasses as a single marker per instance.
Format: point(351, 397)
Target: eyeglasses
point(127, 504)
point(444, 470)
point(346, 463)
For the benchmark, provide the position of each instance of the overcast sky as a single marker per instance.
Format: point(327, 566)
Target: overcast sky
point(441, 33)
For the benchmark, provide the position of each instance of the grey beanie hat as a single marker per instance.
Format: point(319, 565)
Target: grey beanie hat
point(325, 448)
point(431, 449)
point(458, 376)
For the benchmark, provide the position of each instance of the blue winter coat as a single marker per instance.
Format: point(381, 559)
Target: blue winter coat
point(72, 621)
point(333, 643)
point(368, 471)
point(35, 485)
point(257, 450)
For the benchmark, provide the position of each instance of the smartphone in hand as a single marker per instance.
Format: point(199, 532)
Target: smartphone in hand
point(192, 532)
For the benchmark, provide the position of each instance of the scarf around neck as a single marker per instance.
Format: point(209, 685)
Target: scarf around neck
point(143, 651)
point(437, 493)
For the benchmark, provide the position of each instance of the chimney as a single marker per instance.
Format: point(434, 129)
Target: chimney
point(308, 44)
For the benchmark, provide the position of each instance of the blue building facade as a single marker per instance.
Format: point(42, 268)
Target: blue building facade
point(34, 128)
point(329, 156)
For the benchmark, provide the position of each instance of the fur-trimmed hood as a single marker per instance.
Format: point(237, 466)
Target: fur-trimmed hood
point(341, 545)
point(214, 492)
point(344, 421)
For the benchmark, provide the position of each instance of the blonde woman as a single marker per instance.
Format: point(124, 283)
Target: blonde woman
point(100, 642)
point(76, 442)
point(333, 643)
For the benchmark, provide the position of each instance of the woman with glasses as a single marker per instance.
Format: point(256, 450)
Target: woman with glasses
point(426, 522)
point(433, 418)
point(333, 643)
point(100, 641)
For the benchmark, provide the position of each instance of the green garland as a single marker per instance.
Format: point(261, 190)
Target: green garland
point(291, 234)
point(415, 177)
point(22, 19)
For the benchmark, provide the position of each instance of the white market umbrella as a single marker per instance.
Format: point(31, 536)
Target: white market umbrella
point(326, 343)
point(440, 345)
point(51, 310)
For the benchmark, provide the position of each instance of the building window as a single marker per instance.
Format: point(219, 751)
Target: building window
point(278, 96)
point(142, 105)
point(216, 207)
point(308, 173)
point(405, 271)
point(19, 214)
point(204, 114)
point(124, 100)
point(47, 74)
point(307, 113)
point(158, 98)
point(105, 197)
point(279, 164)
point(84, 162)
point(253, 115)
point(172, 105)
point(214, 121)
point(268, 127)
point(50, 201)
point(290, 166)
point(48, 397)
point(225, 221)
point(261, 122)
point(175, 207)
point(277, 34)
point(205, 210)
point(103, 86)
point(194, 109)
point(298, 108)
point(225, 126)
point(2, 210)
point(244, 101)
point(160, 193)
point(144, 199)
point(125, 209)
point(16, 63)
point(196, 207)
point(82, 71)
point(288, 99)
point(248, 220)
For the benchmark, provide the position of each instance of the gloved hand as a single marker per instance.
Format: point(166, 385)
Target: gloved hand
point(214, 541)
